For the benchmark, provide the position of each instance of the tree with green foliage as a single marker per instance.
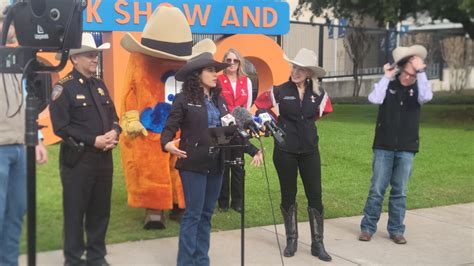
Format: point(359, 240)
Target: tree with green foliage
point(394, 11)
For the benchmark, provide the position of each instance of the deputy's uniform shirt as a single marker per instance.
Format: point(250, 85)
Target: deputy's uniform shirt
point(82, 108)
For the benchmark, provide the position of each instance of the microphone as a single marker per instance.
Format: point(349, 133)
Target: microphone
point(267, 121)
point(227, 120)
point(245, 120)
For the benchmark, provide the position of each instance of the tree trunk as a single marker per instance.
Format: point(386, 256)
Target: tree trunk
point(356, 78)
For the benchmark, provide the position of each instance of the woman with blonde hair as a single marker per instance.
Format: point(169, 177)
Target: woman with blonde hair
point(237, 92)
point(300, 102)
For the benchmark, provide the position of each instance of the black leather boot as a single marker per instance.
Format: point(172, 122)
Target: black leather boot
point(316, 223)
point(291, 229)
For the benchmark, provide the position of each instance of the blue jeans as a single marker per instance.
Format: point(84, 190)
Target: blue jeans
point(12, 201)
point(394, 168)
point(200, 194)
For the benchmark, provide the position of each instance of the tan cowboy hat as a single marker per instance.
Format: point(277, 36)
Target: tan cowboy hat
point(401, 52)
point(167, 35)
point(87, 45)
point(201, 61)
point(308, 59)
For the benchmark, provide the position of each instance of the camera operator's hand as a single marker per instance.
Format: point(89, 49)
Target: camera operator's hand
point(171, 148)
point(389, 71)
point(257, 160)
point(418, 63)
point(41, 153)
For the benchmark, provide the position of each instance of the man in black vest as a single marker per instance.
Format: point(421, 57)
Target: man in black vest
point(399, 96)
point(84, 116)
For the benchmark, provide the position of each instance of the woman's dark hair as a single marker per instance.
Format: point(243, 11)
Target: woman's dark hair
point(192, 88)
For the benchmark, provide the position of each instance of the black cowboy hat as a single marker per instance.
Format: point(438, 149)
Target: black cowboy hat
point(201, 61)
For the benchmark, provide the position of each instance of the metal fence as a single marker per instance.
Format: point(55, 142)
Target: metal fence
point(330, 43)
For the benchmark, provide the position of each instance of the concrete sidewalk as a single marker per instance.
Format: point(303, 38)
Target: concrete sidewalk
point(442, 236)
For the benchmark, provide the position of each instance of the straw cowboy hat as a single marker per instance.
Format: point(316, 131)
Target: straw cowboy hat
point(167, 35)
point(87, 45)
point(308, 59)
point(401, 52)
point(201, 61)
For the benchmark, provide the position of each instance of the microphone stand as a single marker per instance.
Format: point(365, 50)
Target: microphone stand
point(238, 162)
point(31, 140)
point(222, 140)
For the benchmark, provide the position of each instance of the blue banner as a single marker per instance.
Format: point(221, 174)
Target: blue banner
point(204, 16)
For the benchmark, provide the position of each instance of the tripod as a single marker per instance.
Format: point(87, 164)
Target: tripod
point(31, 140)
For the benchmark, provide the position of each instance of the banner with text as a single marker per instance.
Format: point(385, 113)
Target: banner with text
point(204, 16)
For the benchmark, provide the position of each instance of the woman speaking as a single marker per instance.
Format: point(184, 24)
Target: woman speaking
point(198, 107)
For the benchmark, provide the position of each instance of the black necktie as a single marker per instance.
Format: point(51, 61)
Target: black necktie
point(95, 95)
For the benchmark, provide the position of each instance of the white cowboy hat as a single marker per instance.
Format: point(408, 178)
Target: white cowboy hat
point(401, 52)
point(201, 61)
point(167, 35)
point(308, 59)
point(87, 45)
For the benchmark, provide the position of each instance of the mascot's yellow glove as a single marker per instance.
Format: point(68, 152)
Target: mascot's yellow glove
point(131, 125)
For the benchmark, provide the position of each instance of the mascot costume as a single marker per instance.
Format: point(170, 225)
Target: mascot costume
point(152, 181)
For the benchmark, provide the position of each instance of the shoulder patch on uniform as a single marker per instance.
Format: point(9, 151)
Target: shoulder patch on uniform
point(66, 78)
point(57, 90)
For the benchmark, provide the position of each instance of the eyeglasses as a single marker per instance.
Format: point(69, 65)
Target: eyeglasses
point(232, 61)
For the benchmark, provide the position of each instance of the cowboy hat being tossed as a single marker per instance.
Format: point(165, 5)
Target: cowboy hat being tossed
point(407, 62)
point(308, 60)
point(401, 53)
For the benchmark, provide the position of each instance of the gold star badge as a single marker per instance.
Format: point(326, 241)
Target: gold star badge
point(101, 91)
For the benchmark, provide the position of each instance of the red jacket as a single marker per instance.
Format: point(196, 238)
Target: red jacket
point(241, 92)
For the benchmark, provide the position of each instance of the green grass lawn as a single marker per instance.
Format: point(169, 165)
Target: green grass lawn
point(443, 174)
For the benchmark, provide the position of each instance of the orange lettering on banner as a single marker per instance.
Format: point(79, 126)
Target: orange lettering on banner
point(197, 11)
point(125, 14)
point(230, 12)
point(267, 10)
point(247, 14)
point(137, 12)
point(91, 11)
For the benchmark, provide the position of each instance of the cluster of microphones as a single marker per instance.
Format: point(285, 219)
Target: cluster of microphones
point(261, 123)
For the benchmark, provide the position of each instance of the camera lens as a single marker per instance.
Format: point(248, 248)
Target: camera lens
point(54, 14)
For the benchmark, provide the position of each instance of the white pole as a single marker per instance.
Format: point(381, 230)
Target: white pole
point(336, 39)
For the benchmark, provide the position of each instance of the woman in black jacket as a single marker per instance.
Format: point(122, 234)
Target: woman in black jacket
point(198, 107)
point(300, 102)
